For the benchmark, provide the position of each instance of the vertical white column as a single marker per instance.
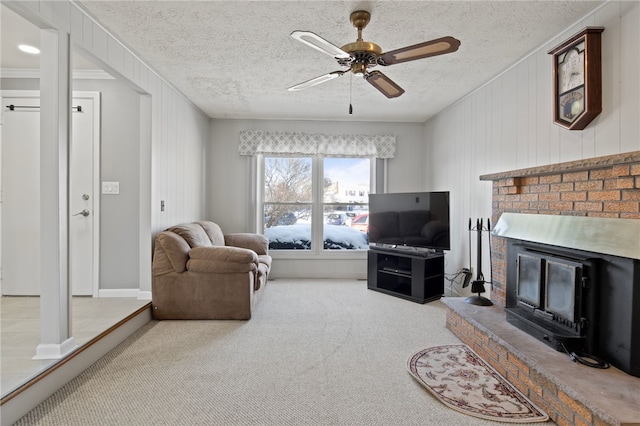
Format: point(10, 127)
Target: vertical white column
point(55, 125)
point(146, 189)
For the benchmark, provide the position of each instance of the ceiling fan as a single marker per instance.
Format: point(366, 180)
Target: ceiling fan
point(361, 55)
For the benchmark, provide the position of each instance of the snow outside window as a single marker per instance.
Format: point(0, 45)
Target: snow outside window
point(307, 196)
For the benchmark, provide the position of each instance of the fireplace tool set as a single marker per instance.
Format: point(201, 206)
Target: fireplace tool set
point(477, 285)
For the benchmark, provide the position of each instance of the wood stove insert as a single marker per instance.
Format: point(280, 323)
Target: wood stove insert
point(571, 298)
point(553, 296)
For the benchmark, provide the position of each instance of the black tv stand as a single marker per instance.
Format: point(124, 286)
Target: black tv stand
point(410, 274)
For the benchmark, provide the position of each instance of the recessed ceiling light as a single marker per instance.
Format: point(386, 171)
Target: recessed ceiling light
point(29, 49)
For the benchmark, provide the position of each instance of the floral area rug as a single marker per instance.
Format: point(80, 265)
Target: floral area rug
point(459, 378)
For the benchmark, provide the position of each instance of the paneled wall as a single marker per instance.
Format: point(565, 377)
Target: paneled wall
point(173, 135)
point(508, 124)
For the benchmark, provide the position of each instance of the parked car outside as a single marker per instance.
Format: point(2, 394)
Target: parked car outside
point(287, 219)
point(361, 222)
point(336, 219)
point(350, 216)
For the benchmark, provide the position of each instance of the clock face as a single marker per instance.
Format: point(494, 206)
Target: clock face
point(571, 68)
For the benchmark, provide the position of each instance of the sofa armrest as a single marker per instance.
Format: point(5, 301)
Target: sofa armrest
point(223, 260)
point(256, 242)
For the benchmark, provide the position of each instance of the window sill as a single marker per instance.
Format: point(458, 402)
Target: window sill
point(325, 255)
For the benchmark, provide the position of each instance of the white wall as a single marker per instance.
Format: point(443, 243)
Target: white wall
point(508, 124)
point(173, 161)
point(228, 177)
point(180, 137)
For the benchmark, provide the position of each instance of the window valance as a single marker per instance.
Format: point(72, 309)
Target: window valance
point(263, 142)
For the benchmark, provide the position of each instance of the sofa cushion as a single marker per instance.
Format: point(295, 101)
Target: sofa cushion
point(261, 278)
point(222, 260)
point(256, 242)
point(193, 234)
point(171, 253)
point(265, 260)
point(214, 232)
point(224, 253)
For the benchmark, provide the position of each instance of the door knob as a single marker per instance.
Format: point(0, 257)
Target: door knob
point(84, 213)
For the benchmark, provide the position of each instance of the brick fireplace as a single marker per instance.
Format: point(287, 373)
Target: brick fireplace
point(606, 187)
point(600, 187)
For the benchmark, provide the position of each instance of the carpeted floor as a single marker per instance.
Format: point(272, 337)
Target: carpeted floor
point(317, 352)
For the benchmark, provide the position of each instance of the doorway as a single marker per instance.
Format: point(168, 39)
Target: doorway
point(21, 193)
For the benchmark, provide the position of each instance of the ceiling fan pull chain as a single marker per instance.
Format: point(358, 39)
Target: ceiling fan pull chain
point(350, 92)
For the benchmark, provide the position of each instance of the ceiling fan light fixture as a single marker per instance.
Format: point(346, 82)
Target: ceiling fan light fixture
point(359, 69)
point(318, 43)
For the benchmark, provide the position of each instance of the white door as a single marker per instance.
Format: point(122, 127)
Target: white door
point(84, 163)
point(21, 194)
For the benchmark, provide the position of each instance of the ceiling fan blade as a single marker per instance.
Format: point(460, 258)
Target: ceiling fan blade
point(317, 80)
point(317, 42)
point(384, 84)
point(435, 47)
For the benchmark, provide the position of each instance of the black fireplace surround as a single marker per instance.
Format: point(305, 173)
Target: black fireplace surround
point(570, 298)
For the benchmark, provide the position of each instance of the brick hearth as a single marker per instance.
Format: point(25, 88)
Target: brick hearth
point(570, 393)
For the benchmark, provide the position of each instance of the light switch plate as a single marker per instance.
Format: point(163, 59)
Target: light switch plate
point(110, 187)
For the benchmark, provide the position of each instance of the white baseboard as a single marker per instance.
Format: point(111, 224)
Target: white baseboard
point(119, 292)
point(144, 295)
point(133, 293)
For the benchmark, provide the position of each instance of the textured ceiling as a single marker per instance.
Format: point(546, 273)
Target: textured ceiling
point(235, 59)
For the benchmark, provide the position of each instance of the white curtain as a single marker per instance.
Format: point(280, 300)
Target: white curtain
point(263, 142)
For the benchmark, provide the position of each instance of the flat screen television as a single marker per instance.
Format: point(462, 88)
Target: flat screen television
point(410, 220)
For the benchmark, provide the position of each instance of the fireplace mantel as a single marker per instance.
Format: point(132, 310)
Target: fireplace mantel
point(570, 166)
point(617, 237)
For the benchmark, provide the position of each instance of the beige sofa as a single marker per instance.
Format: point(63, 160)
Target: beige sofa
point(200, 273)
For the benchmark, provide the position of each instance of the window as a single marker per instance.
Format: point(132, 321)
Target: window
point(309, 187)
point(309, 202)
point(288, 202)
point(350, 176)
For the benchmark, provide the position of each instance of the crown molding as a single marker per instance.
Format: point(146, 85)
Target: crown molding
point(35, 73)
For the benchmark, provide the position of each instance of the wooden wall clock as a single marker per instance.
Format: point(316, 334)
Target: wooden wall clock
point(577, 76)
